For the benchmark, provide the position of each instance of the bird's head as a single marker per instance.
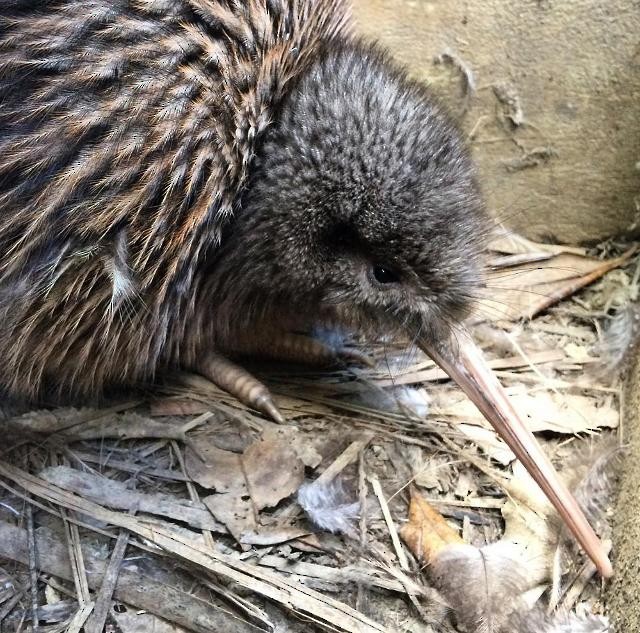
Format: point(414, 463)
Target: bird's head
point(364, 209)
point(364, 201)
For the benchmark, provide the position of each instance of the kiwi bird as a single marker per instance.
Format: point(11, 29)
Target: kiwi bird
point(187, 182)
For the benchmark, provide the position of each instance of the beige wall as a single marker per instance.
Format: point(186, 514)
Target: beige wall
point(554, 117)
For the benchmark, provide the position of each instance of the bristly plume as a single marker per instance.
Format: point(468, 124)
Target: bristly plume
point(592, 473)
point(123, 284)
point(620, 338)
point(129, 130)
point(487, 590)
point(328, 508)
point(482, 585)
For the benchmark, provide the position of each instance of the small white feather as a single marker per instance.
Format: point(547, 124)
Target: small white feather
point(327, 507)
point(123, 285)
point(621, 337)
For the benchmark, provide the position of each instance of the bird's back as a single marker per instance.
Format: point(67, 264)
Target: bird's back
point(128, 130)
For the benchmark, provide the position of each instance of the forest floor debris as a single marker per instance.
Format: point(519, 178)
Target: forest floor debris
point(181, 510)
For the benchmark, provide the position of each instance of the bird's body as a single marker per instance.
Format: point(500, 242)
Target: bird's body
point(186, 181)
point(130, 148)
point(128, 132)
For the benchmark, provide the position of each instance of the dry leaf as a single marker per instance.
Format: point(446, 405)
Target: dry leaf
point(427, 533)
point(220, 470)
point(273, 470)
point(271, 535)
point(505, 241)
point(176, 406)
point(128, 425)
point(268, 471)
point(578, 353)
point(115, 494)
point(489, 442)
point(431, 373)
point(542, 411)
point(234, 510)
point(527, 514)
point(214, 468)
point(523, 291)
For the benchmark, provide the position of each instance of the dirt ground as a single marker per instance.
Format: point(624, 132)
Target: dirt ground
point(624, 605)
point(549, 95)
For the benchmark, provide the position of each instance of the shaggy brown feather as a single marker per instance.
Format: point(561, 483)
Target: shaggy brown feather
point(183, 176)
point(128, 130)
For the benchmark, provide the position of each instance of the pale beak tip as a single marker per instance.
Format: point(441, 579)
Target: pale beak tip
point(463, 362)
point(604, 567)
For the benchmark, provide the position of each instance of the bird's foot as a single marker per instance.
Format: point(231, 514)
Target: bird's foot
point(237, 381)
point(281, 346)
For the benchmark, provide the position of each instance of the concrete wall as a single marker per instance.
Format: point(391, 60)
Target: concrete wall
point(551, 101)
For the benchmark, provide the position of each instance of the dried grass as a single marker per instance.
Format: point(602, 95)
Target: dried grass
point(192, 495)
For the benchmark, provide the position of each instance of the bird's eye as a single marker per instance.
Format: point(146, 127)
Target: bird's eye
point(384, 274)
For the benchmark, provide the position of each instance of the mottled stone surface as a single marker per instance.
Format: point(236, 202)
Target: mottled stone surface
point(623, 595)
point(554, 117)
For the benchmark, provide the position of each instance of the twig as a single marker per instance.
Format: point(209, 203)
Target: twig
point(362, 499)
point(98, 620)
point(571, 288)
point(140, 591)
point(298, 598)
point(348, 456)
point(33, 570)
point(395, 539)
point(77, 622)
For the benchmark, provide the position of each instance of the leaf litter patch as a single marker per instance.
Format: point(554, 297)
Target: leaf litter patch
point(385, 503)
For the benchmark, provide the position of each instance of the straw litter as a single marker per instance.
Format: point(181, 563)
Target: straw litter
point(386, 503)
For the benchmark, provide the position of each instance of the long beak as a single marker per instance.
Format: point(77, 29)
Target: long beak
point(463, 362)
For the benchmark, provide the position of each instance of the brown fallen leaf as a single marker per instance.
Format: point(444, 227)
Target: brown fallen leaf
point(269, 470)
point(521, 292)
point(427, 533)
point(219, 470)
point(272, 469)
point(214, 468)
point(234, 510)
point(177, 406)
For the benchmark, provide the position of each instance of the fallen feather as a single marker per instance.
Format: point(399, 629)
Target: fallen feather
point(328, 507)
